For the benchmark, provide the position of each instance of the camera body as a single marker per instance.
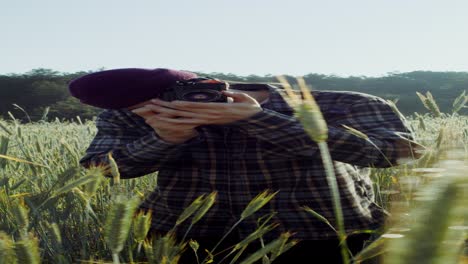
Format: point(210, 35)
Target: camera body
point(197, 90)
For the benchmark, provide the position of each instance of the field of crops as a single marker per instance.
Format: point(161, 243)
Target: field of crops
point(53, 211)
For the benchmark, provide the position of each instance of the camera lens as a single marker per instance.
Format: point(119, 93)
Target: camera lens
point(201, 96)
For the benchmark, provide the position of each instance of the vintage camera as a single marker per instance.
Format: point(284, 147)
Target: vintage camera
point(197, 90)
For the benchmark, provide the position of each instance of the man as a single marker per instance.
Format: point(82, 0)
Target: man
point(242, 148)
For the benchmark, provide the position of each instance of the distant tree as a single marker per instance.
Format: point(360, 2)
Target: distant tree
point(48, 92)
point(38, 89)
point(70, 108)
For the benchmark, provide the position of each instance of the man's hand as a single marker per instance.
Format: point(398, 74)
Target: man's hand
point(196, 114)
point(169, 132)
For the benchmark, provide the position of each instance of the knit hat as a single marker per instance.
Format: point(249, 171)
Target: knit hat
point(121, 88)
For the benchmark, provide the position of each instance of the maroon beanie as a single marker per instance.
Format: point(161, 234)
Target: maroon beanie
point(121, 88)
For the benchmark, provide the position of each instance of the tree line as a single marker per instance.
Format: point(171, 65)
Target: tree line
point(42, 94)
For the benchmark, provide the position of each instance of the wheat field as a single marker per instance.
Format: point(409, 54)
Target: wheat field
point(54, 211)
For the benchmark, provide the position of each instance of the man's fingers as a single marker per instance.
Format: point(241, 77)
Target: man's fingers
point(149, 111)
point(240, 97)
point(139, 110)
point(186, 105)
point(181, 120)
point(161, 102)
point(143, 112)
point(172, 112)
point(165, 115)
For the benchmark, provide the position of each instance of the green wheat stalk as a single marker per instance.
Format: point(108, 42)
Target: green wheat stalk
point(207, 203)
point(254, 205)
point(27, 250)
point(118, 224)
point(7, 253)
point(274, 245)
point(308, 113)
point(459, 102)
point(429, 103)
point(141, 226)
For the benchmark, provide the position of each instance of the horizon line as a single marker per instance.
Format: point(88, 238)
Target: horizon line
point(239, 75)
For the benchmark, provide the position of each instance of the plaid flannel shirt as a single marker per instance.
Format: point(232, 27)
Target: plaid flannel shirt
point(269, 150)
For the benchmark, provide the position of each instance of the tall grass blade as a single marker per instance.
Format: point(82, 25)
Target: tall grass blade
point(20, 160)
point(275, 244)
point(423, 99)
point(3, 150)
point(261, 231)
point(285, 246)
point(422, 123)
point(207, 204)
point(309, 115)
point(356, 132)
point(194, 246)
point(395, 109)
point(291, 97)
point(433, 107)
point(430, 103)
point(5, 128)
point(20, 212)
point(257, 203)
point(76, 183)
point(337, 209)
point(376, 248)
point(190, 210)
point(141, 227)
point(164, 249)
point(91, 187)
point(459, 102)
point(24, 111)
point(45, 113)
point(114, 169)
point(320, 217)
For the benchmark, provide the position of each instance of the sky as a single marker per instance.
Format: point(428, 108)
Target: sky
point(296, 37)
